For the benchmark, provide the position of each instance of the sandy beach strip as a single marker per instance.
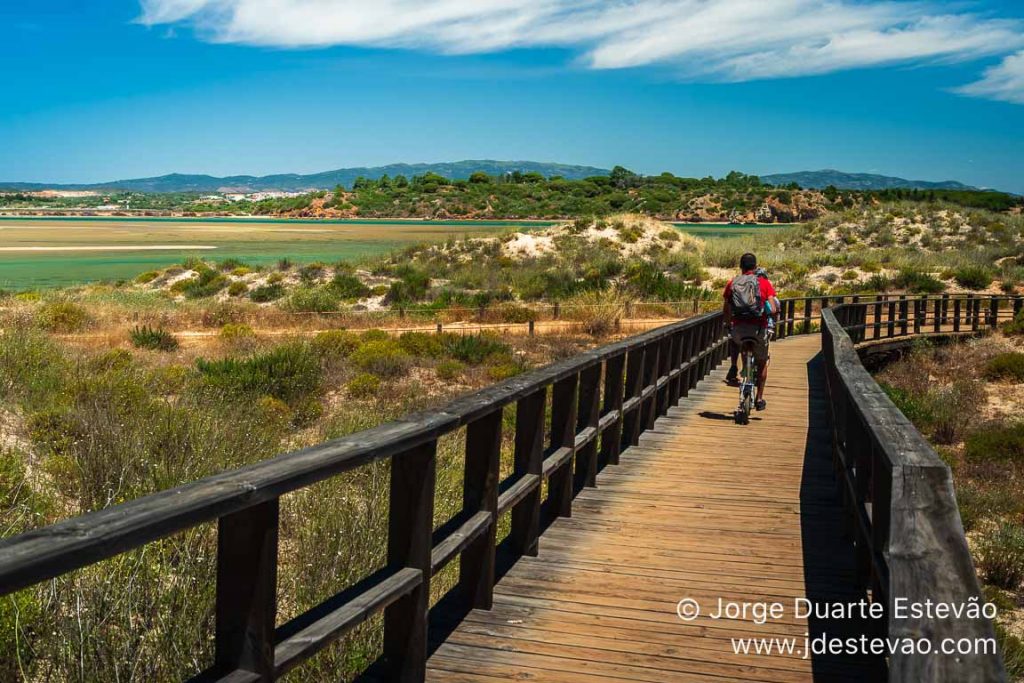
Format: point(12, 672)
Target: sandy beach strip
point(137, 247)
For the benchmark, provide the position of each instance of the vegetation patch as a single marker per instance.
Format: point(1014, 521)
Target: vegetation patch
point(153, 338)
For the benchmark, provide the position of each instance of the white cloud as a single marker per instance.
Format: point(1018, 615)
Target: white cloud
point(716, 39)
point(1004, 82)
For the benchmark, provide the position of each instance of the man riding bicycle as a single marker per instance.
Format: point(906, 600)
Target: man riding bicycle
point(750, 303)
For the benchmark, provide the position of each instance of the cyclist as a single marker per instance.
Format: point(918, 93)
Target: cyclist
point(750, 302)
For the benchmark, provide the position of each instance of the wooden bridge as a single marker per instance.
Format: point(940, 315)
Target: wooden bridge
point(635, 506)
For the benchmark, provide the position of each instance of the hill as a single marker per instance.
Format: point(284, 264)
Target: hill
point(858, 181)
point(292, 182)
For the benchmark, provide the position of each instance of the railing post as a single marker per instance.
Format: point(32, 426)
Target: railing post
point(945, 309)
point(878, 317)
point(975, 312)
point(611, 439)
point(969, 310)
point(1017, 303)
point(410, 524)
point(993, 312)
point(587, 416)
point(956, 314)
point(563, 434)
point(904, 315)
point(648, 406)
point(666, 353)
point(675, 363)
point(480, 494)
point(807, 315)
point(246, 604)
point(634, 383)
point(937, 315)
point(917, 316)
point(891, 328)
point(528, 459)
point(689, 346)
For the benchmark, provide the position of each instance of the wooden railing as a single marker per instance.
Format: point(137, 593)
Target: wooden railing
point(898, 493)
point(601, 401)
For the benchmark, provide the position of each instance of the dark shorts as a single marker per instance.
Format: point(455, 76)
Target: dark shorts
point(756, 336)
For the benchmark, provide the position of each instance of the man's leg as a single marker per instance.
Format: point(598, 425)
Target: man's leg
point(763, 360)
point(734, 354)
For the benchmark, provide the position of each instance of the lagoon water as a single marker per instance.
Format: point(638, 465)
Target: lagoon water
point(46, 252)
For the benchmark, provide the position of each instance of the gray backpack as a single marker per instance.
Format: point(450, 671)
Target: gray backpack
point(746, 298)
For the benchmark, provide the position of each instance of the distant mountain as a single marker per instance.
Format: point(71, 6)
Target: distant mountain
point(858, 181)
point(291, 182)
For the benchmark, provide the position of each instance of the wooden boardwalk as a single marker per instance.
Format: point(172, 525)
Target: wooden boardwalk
point(702, 509)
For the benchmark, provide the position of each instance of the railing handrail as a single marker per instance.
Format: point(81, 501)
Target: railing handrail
point(910, 540)
point(605, 396)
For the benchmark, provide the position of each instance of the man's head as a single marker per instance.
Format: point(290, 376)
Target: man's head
point(748, 262)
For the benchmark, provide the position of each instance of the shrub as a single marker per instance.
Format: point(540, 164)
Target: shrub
point(363, 385)
point(1001, 553)
point(208, 283)
point(411, 286)
point(1014, 327)
point(473, 348)
point(62, 317)
point(267, 292)
point(998, 442)
point(597, 311)
point(241, 270)
point(230, 264)
point(237, 288)
point(973, 277)
point(669, 235)
point(1009, 365)
point(955, 408)
point(348, 286)
point(375, 335)
point(312, 300)
point(290, 372)
point(514, 313)
point(147, 277)
point(284, 264)
point(237, 334)
point(449, 369)
point(422, 344)
point(385, 358)
point(503, 370)
point(334, 344)
point(311, 272)
point(918, 282)
point(850, 275)
point(155, 339)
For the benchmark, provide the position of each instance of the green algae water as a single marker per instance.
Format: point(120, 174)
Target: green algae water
point(56, 251)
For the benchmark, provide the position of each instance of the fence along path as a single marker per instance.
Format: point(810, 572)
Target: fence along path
point(631, 490)
point(700, 509)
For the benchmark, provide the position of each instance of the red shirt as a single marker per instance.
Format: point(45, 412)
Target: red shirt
point(767, 292)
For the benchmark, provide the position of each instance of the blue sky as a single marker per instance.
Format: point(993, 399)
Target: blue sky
point(123, 88)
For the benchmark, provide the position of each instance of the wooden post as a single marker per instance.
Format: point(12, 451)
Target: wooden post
point(587, 416)
point(891, 328)
point(556, 310)
point(956, 314)
point(528, 459)
point(878, 316)
point(917, 316)
point(611, 439)
point(480, 494)
point(563, 434)
point(439, 328)
point(969, 310)
point(246, 605)
point(993, 312)
point(648, 407)
point(807, 315)
point(1017, 303)
point(410, 524)
point(937, 315)
point(665, 354)
point(531, 330)
point(976, 314)
point(904, 314)
point(634, 383)
point(945, 309)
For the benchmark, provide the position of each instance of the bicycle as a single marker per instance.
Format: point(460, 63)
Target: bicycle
point(748, 383)
point(748, 377)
